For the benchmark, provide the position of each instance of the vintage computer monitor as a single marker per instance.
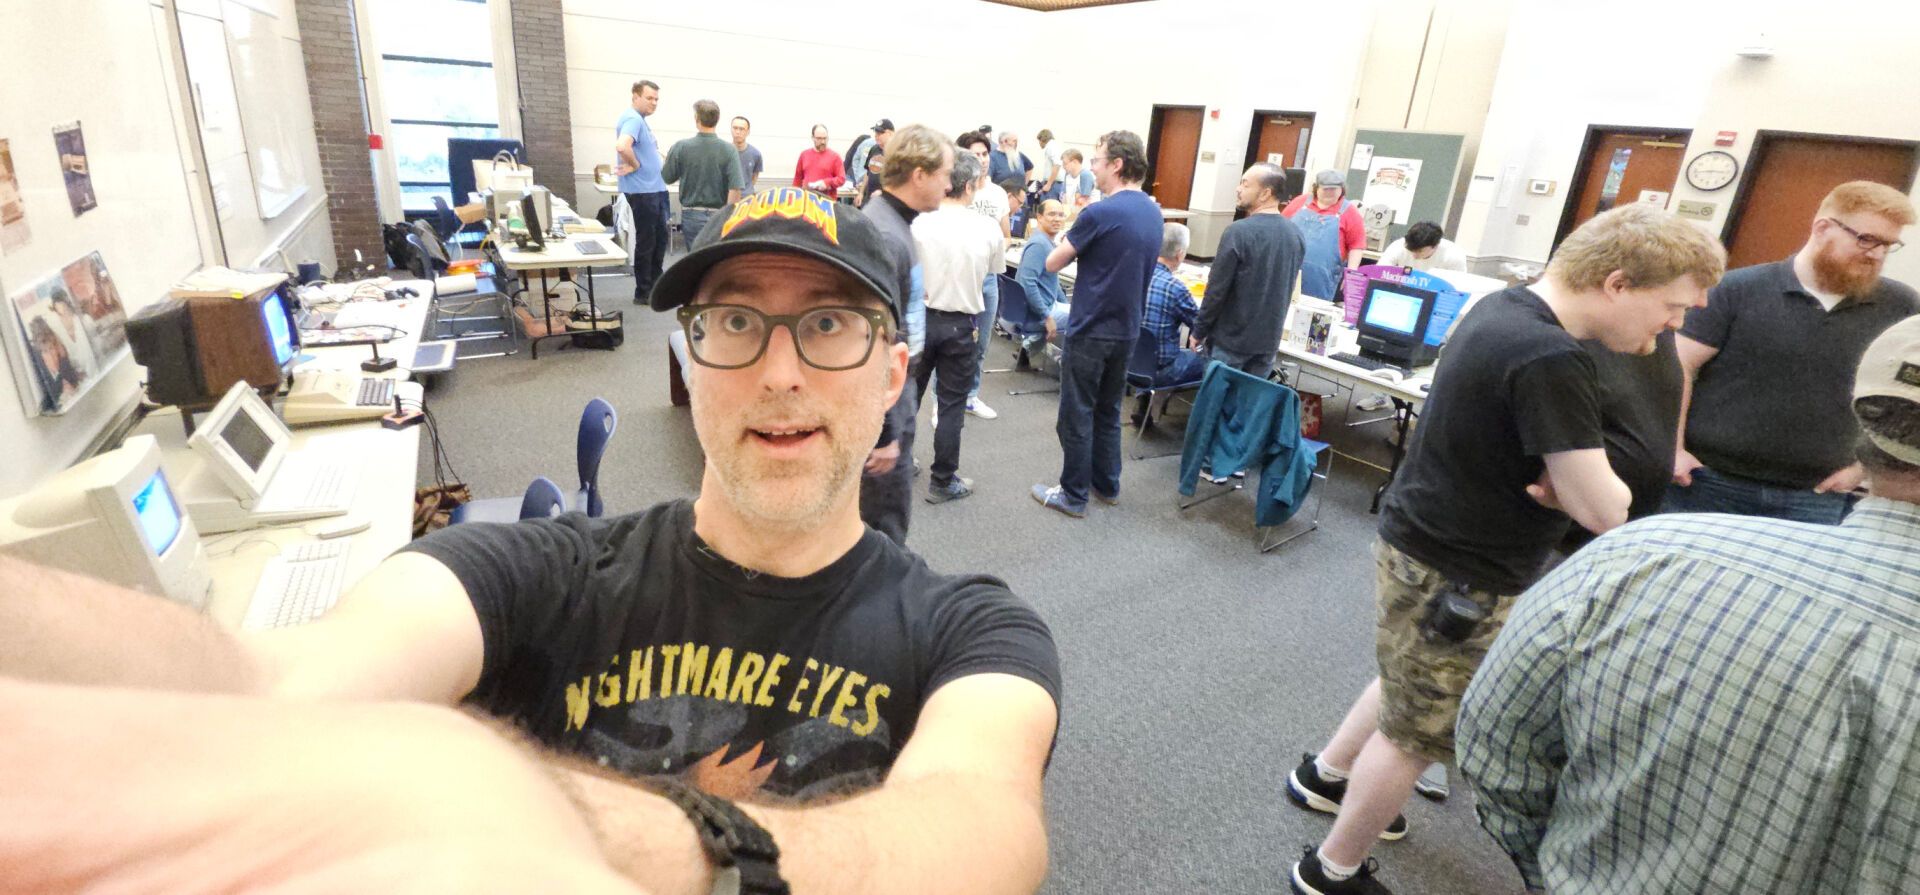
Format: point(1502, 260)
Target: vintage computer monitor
point(195, 349)
point(114, 517)
point(530, 213)
point(1393, 324)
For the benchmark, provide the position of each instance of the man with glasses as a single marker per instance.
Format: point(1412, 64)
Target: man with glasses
point(833, 714)
point(1115, 243)
point(1765, 428)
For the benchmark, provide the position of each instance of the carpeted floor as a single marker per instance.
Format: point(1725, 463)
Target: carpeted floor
point(1197, 670)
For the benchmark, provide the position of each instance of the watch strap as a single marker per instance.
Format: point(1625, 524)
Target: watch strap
point(746, 860)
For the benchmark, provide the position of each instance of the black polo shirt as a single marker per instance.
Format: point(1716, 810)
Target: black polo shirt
point(1775, 405)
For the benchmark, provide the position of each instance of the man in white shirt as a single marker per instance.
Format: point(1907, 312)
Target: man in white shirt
point(1077, 184)
point(957, 248)
point(996, 203)
point(1423, 248)
point(1046, 170)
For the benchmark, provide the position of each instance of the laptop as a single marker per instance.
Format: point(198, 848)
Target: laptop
point(256, 479)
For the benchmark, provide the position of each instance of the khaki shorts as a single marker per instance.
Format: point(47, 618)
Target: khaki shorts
point(1421, 680)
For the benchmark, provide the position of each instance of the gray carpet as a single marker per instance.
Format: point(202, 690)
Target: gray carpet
point(1197, 670)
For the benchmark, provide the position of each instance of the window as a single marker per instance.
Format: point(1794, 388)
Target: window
point(436, 81)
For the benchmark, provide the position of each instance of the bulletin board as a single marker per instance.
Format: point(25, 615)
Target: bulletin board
point(1438, 166)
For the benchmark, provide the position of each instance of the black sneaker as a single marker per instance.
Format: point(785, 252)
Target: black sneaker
point(1308, 878)
point(1308, 790)
point(956, 489)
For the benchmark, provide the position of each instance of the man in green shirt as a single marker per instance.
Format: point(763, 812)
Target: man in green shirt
point(707, 169)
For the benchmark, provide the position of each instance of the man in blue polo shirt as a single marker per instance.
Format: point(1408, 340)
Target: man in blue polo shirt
point(1116, 243)
point(637, 161)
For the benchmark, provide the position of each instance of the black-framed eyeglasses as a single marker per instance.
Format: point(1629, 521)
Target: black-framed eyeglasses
point(1867, 241)
point(832, 338)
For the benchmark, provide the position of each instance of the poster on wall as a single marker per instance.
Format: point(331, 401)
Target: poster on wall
point(72, 148)
point(1390, 182)
point(64, 334)
point(13, 208)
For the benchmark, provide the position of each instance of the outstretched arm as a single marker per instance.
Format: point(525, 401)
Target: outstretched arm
point(960, 812)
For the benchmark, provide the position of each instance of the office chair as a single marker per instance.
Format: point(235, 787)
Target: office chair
point(1227, 485)
point(1141, 367)
point(597, 423)
point(543, 500)
point(447, 226)
point(1018, 319)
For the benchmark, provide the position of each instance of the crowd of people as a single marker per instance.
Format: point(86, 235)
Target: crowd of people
point(763, 681)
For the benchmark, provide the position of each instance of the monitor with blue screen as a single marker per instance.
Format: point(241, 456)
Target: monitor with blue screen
point(1393, 310)
point(279, 326)
point(158, 512)
point(1393, 324)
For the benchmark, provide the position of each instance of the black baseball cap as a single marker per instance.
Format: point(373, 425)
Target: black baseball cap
point(883, 125)
point(792, 221)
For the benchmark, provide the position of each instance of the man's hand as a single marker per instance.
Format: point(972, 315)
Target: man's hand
point(881, 461)
point(1684, 463)
point(1542, 492)
point(1052, 329)
point(1843, 480)
point(817, 185)
point(1194, 343)
point(623, 169)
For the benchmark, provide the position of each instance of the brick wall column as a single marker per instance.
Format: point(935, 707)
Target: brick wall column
point(546, 119)
point(330, 43)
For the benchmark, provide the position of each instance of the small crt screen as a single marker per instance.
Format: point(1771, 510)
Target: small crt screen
point(274, 309)
point(1391, 310)
point(247, 439)
point(159, 516)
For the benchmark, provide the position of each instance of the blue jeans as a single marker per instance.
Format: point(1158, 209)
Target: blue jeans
point(990, 293)
point(1717, 492)
point(1093, 380)
point(1031, 343)
point(692, 221)
point(1187, 366)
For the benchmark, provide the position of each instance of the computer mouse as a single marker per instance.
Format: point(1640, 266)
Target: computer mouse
point(340, 526)
point(1386, 375)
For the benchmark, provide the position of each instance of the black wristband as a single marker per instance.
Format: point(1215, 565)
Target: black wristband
point(745, 858)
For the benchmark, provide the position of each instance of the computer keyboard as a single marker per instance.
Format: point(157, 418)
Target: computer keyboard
point(1366, 363)
point(299, 585)
point(374, 392)
point(589, 247)
point(307, 485)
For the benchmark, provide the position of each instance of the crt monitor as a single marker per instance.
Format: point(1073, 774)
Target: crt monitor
point(282, 333)
point(114, 517)
point(1393, 323)
point(530, 213)
point(194, 349)
point(243, 442)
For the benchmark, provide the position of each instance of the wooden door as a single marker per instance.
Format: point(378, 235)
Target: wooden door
point(1279, 133)
point(1173, 146)
point(1788, 175)
point(1620, 166)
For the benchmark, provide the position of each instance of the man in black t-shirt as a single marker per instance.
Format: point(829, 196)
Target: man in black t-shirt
point(757, 644)
point(1509, 447)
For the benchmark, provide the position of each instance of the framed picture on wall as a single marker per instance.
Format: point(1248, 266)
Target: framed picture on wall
point(64, 334)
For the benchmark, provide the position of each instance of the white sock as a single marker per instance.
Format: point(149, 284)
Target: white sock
point(1326, 771)
point(1335, 872)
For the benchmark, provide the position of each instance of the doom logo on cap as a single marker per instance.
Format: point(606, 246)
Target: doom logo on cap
point(787, 202)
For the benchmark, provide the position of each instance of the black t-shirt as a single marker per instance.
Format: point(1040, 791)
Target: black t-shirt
point(1512, 386)
point(1639, 416)
point(628, 640)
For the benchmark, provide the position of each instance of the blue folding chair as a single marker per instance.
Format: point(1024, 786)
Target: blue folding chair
point(1019, 321)
point(543, 500)
point(1141, 367)
point(597, 423)
point(1224, 485)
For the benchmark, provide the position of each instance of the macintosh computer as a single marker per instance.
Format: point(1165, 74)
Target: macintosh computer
point(248, 477)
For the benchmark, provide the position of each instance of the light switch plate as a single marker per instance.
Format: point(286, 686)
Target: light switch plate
point(1523, 220)
point(1692, 210)
point(1206, 156)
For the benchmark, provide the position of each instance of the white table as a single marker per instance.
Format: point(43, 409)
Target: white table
point(1408, 396)
point(383, 460)
point(408, 315)
point(561, 258)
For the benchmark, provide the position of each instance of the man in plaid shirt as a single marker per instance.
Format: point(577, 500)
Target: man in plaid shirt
point(1169, 306)
point(1716, 703)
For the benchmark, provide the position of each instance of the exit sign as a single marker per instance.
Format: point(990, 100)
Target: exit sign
point(1725, 138)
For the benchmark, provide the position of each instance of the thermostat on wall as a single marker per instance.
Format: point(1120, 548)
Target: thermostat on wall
point(1540, 187)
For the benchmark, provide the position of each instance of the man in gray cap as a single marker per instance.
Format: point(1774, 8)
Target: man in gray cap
point(1761, 719)
point(1333, 232)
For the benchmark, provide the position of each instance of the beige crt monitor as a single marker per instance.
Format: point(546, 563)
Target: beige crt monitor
point(113, 517)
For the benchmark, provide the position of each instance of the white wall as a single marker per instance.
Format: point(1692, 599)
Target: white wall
point(104, 64)
point(1853, 74)
point(1079, 73)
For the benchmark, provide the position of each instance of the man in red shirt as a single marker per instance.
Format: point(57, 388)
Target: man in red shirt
point(1333, 232)
point(820, 168)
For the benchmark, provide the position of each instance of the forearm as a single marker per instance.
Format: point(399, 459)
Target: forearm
point(626, 155)
point(60, 627)
point(1599, 506)
point(981, 840)
point(1686, 404)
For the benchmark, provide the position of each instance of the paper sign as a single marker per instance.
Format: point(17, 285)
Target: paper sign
point(1391, 182)
point(1362, 156)
point(1655, 198)
point(1276, 159)
point(1480, 188)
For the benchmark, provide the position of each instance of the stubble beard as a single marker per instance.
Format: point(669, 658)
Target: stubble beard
point(781, 494)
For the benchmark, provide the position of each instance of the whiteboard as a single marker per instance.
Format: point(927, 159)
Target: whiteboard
point(266, 68)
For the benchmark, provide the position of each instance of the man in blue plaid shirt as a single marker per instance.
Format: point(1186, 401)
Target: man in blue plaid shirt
point(1716, 703)
point(1170, 306)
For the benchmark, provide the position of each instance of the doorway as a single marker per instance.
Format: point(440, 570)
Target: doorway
point(1789, 173)
point(1283, 134)
point(1173, 149)
point(1622, 165)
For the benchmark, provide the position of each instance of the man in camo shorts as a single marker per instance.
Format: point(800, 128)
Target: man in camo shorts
point(1509, 449)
